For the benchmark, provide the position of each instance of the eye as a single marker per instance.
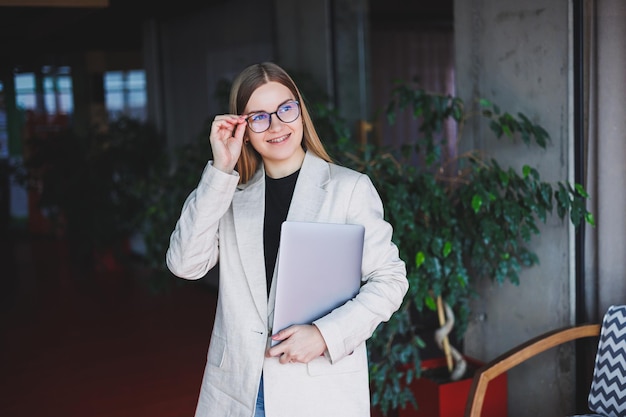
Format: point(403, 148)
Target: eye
point(286, 108)
point(259, 117)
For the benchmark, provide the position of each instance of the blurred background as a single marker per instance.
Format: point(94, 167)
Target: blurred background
point(104, 110)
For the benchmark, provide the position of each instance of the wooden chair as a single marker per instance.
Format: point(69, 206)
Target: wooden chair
point(607, 380)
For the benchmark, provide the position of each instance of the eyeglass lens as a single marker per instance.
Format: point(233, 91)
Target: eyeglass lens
point(286, 113)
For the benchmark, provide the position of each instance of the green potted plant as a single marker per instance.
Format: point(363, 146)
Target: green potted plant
point(455, 221)
point(169, 184)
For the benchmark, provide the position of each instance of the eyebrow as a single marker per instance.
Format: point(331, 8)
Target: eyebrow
point(265, 111)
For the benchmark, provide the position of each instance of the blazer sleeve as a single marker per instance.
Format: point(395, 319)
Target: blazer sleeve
point(384, 278)
point(194, 246)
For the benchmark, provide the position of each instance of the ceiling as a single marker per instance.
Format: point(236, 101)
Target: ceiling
point(411, 15)
point(53, 27)
point(26, 32)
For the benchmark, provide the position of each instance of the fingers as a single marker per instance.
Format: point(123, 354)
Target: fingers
point(284, 358)
point(301, 343)
point(240, 129)
point(281, 349)
point(224, 126)
point(226, 137)
point(284, 334)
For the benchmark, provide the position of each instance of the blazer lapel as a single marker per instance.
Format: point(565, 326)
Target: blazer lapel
point(310, 190)
point(248, 214)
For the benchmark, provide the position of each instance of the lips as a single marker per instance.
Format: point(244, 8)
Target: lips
point(279, 140)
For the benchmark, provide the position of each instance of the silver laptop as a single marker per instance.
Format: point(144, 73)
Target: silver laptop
point(319, 269)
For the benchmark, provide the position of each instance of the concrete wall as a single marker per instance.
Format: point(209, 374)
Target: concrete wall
point(329, 40)
point(186, 55)
point(351, 51)
point(193, 52)
point(304, 40)
point(605, 265)
point(517, 54)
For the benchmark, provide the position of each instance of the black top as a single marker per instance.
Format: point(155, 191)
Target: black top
point(278, 194)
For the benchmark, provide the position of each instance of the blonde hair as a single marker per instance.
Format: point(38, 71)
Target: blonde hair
point(244, 85)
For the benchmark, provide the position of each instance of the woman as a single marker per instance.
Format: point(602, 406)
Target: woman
point(268, 166)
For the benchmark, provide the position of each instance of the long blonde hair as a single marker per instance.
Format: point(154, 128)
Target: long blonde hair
point(244, 85)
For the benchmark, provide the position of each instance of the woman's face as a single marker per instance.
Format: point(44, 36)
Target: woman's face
point(280, 145)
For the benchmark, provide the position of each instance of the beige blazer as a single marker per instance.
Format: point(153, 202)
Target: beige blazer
point(223, 220)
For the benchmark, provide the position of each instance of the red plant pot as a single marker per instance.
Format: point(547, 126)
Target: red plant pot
point(449, 398)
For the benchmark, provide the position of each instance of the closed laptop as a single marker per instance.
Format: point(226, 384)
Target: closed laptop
point(318, 270)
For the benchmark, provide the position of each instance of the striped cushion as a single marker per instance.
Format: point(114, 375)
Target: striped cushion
point(608, 387)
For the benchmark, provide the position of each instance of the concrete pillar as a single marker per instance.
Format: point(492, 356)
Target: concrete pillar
point(328, 39)
point(352, 59)
point(303, 40)
point(608, 166)
point(517, 54)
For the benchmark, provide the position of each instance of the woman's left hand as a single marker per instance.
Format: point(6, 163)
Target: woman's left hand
point(298, 343)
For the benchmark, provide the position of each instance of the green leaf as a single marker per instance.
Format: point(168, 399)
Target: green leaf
point(581, 190)
point(496, 128)
point(477, 202)
point(457, 109)
point(419, 258)
point(447, 248)
point(430, 303)
point(484, 102)
point(504, 178)
point(461, 279)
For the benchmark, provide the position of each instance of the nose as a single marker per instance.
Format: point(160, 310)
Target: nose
point(275, 122)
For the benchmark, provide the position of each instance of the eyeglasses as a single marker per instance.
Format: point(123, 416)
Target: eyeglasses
point(287, 112)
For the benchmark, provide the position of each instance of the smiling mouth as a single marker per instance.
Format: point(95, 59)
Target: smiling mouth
point(279, 140)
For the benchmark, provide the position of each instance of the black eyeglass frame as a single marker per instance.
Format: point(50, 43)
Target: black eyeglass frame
point(274, 113)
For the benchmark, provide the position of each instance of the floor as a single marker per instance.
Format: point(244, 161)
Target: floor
point(91, 342)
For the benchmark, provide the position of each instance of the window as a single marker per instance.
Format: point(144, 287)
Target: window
point(56, 91)
point(125, 94)
point(25, 91)
point(57, 87)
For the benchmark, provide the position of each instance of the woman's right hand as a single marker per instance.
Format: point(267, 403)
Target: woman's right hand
point(226, 139)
